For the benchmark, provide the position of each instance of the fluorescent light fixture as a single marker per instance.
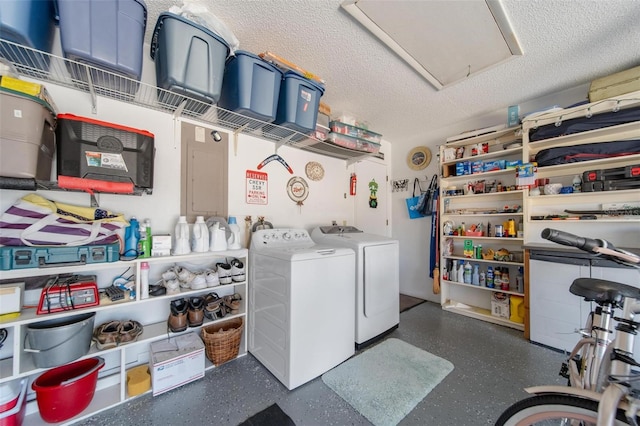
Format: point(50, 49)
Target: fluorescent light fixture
point(444, 41)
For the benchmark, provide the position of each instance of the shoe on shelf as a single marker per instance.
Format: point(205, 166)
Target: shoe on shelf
point(232, 303)
point(130, 331)
point(185, 276)
point(214, 307)
point(172, 286)
point(224, 273)
point(237, 271)
point(199, 281)
point(170, 274)
point(211, 277)
point(158, 290)
point(178, 317)
point(107, 335)
point(195, 312)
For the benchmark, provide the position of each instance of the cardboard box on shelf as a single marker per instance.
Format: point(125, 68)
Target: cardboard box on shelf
point(175, 362)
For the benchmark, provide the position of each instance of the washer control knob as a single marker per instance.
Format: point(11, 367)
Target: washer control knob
point(286, 236)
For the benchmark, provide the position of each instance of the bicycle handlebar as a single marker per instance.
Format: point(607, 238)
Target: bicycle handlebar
point(567, 239)
point(594, 246)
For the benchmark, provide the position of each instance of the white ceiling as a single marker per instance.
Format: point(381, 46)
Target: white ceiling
point(566, 43)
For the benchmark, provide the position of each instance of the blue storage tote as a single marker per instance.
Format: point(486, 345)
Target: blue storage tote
point(189, 59)
point(298, 103)
point(30, 23)
point(108, 35)
point(251, 86)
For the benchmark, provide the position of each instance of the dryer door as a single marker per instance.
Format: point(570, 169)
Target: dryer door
point(381, 278)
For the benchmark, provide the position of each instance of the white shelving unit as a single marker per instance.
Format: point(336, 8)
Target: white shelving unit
point(492, 208)
point(152, 313)
point(95, 81)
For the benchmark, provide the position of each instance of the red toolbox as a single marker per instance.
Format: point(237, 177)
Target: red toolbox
point(99, 150)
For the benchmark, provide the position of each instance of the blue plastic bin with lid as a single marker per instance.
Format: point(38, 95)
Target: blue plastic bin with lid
point(107, 35)
point(29, 23)
point(189, 59)
point(251, 86)
point(298, 102)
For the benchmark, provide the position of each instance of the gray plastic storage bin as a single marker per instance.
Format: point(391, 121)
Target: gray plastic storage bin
point(298, 103)
point(108, 35)
point(189, 59)
point(251, 87)
point(27, 139)
point(30, 23)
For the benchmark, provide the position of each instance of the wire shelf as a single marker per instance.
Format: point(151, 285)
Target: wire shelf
point(86, 78)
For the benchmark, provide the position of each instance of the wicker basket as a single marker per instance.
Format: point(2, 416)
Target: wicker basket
point(222, 340)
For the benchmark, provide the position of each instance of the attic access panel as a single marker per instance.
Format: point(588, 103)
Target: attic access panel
point(444, 41)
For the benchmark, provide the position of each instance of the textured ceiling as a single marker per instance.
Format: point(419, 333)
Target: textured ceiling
point(566, 43)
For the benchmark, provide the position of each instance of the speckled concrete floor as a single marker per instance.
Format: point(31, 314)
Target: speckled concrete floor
point(492, 366)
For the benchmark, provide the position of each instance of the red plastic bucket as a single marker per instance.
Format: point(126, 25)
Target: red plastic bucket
point(65, 391)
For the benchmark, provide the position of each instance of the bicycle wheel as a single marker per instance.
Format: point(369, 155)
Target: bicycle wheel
point(554, 409)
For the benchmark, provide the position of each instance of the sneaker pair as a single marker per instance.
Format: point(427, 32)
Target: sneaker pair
point(211, 277)
point(185, 313)
point(185, 278)
point(113, 333)
point(231, 272)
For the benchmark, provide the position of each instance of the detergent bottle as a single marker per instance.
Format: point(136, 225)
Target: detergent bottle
point(181, 237)
point(233, 243)
point(200, 240)
point(131, 237)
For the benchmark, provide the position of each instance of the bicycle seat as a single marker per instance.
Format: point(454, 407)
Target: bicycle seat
point(603, 291)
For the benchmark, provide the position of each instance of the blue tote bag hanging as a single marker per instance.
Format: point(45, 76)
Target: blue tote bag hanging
point(415, 203)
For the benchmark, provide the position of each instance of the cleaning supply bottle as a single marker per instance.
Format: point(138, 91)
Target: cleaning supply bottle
point(483, 281)
point(144, 280)
point(200, 240)
point(475, 276)
point(460, 277)
point(144, 245)
point(520, 280)
point(233, 243)
point(181, 237)
point(218, 238)
point(489, 277)
point(467, 273)
point(131, 237)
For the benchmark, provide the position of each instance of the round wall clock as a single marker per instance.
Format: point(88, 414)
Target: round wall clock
point(419, 158)
point(298, 189)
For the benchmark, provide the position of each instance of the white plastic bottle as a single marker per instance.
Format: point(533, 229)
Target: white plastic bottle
point(200, 240)
point(233, 243)
point(144, 280)
point(467, 273)
point(181, 237)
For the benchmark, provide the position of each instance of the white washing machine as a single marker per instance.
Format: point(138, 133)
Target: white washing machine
point(301, 304)
point(377, 278)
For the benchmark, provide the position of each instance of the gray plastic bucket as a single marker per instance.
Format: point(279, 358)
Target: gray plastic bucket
point(59, 341)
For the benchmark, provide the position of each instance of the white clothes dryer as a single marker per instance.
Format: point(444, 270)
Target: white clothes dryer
point(301, 318)
point(377, 279)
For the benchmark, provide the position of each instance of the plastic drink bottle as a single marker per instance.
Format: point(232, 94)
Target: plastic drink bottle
point(144, 279)
point(132, 234)
point(200, 240)
point(233, 243)
point(181, 237)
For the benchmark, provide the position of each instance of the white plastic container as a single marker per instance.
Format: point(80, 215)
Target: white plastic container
point(200, 240)
point(218, 240)
point(181, 237)
point(233, 243)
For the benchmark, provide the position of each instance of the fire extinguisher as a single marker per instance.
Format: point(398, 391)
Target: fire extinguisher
point(352, 184)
